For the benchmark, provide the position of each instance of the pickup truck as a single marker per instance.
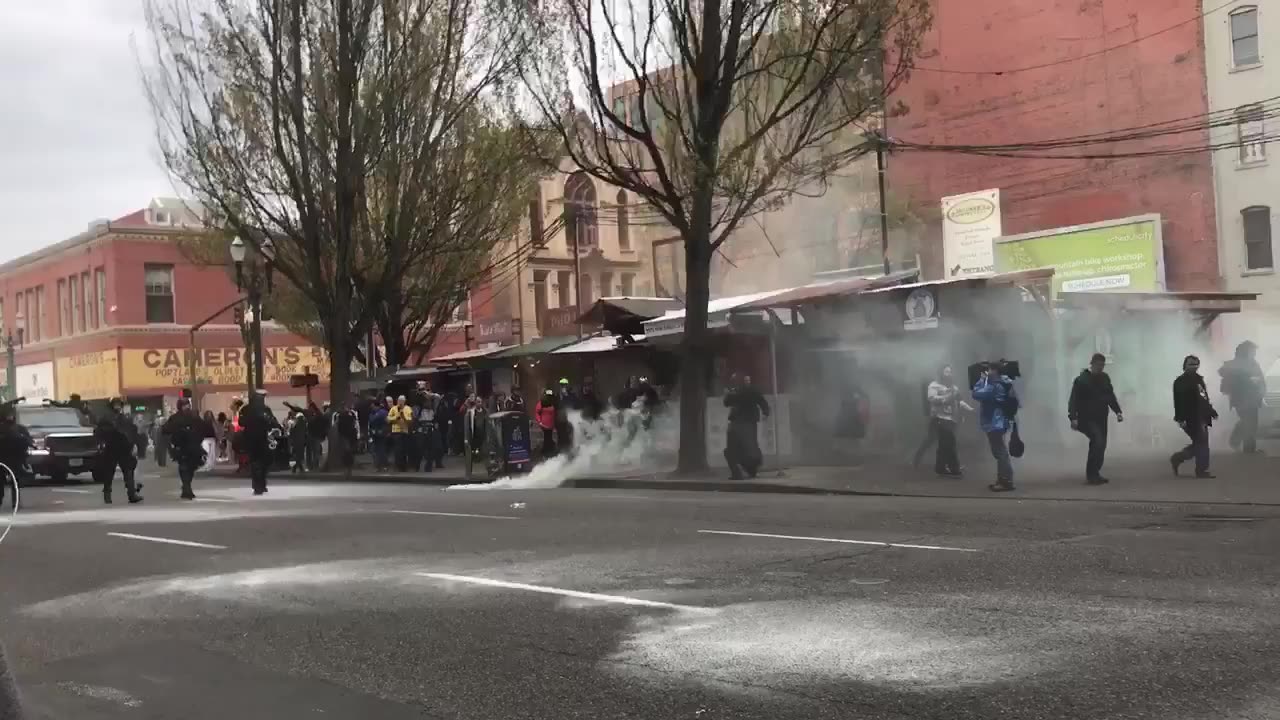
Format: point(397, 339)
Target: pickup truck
point(64, 442)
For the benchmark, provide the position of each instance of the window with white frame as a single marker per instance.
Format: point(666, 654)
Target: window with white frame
point(100, 283)
point(1249, 126)
point(1244, 37)
point(462, 313)
point(158, 280)
point(1257, 237)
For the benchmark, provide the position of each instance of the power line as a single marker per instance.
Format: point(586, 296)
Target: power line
point(1086, 56)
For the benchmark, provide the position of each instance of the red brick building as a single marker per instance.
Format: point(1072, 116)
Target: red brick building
point(1016, 72)
point(108, 313)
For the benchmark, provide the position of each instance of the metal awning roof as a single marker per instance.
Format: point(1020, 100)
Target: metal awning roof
point(830, 290)
point(468, 354)
point(645, 308)
point(599, 343)
point(1008, 279)
point(1214, 302)
point(541, 346)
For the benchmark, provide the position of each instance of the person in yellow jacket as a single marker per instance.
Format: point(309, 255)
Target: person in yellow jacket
point(400, 418)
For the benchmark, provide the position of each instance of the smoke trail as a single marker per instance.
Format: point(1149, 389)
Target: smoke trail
point(618, 441)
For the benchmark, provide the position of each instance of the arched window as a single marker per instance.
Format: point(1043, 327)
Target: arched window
point(624, 222)
point(536, 225)
point(1244, 37)
point(1257, 237)
point(580, 212)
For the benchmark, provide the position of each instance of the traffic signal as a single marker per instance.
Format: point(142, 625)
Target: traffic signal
point(239, 314)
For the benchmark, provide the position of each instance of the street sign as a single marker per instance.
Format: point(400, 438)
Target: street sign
point(304, 380)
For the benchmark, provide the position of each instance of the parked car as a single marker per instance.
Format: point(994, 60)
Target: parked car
point(64, 442)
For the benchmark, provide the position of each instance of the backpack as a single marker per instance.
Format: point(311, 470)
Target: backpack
point(1010, 405)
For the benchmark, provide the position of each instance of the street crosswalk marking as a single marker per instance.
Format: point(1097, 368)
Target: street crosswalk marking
point(872, 543)
point(167, 541)
point(459, 515)
point(577, 594)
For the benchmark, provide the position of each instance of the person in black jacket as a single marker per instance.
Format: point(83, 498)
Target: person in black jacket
point(186, 432)
point(15, 449)
point(117, 438)
point(742, 446)
point(1092, 401)
point(1194, 414)
point(256, 425)
point(1245, 386)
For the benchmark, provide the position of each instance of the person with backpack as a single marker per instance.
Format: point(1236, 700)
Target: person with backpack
point(1092, 401)
point(999, 405)
point(1245, 385)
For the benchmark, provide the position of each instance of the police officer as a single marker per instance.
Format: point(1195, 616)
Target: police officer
point(256, 425)
point(15, 445)
point(186, 432)
point(117, 438)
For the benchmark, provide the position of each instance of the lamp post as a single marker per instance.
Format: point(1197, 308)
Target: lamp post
point(11, 363)
point(255, 281)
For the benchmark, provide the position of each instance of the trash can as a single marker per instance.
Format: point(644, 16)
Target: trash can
point(507, 450)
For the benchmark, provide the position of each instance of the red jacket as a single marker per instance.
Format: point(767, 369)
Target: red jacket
point(545, 415)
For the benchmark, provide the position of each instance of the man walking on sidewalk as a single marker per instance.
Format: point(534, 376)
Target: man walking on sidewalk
point(742, 444)
point(1092, 401)
point(1245, 386)
point(1194, 414)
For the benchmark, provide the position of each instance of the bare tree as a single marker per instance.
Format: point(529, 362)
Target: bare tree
point(328, 125)
point(711, 111)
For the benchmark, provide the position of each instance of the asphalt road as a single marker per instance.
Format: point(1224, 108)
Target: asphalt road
point(365, 601)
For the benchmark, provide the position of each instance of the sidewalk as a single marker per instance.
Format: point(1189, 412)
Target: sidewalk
point(1242, 480)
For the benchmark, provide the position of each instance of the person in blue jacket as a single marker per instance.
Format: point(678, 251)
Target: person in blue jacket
point(995, 393)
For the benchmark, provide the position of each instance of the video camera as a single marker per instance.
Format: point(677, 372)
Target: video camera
point(1009, 368)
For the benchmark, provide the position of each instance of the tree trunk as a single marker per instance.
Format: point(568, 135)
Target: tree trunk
point(696, 349)
point(339, 347)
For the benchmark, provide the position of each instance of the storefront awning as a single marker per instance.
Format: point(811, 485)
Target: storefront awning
point(672, 322)
point(541, 346)
point(468, 355)
point(597, 344)
point(1008, 279)
point(830, 290)
point(1204, 302)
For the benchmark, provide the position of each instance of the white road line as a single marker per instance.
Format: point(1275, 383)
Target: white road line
point(578, 594)
point(73, 491)
point(167, 541)
point(873, 543)
point(461, 515)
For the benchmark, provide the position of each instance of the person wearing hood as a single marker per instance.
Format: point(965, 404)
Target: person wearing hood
point(1092, 401)
point(998, 401)
point(1244, 385)
point(1195, 415)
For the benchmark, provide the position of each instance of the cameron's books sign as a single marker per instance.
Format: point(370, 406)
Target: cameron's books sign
point(159, 368)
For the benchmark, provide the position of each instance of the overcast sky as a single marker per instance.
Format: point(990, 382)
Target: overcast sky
point(76, 137)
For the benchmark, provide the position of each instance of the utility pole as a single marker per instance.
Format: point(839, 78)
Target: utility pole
point(881, 149)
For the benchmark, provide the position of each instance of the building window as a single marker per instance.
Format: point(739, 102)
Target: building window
point(77, 310)
point(1244, 37)
point(86, 311)
point(3, 325)
point(580, 212)
point(100, 280)
point(1253, 145)
point(462, 313)
point(537, 226)
point(1257, 237)
point(564, 279)
point(35, 301)
point(624, 222)
point(606, 285)
point(20, 319)
point(628, 284)
point(539, 297)
point(64, 324)
point(585, 291)
point(159, 288)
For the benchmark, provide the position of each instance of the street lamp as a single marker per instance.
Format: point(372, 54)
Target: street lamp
point(255, 280)
point(11, 360)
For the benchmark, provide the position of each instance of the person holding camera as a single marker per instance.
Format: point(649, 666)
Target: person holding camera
point(1092, 401)
point(999, 403)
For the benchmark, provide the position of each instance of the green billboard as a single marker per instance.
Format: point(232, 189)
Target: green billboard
point(1120, 255)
